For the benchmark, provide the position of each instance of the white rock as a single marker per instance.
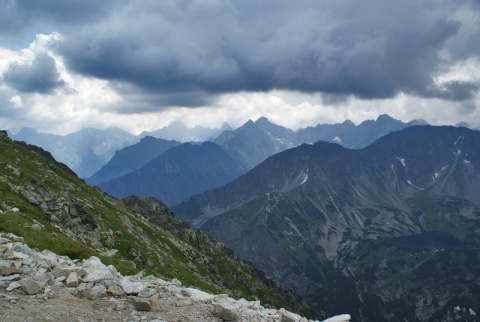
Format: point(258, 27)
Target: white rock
point(130, 287)
point(339, 318)
point(198, 295)
point(96, 270)
point(176, 282)
point(226, 311)
point(18, 255)
point(13, 286)
point(72, 280)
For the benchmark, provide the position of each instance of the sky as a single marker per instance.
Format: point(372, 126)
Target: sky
point(142, 64)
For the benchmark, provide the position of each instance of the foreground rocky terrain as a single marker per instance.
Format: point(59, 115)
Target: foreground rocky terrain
point(43, 286)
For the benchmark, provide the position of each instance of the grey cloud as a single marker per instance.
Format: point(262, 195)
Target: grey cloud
point(17, 16)
point(197, 49)
point(40, 76)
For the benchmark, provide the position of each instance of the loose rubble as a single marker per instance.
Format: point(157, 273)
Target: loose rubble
point(43, 286)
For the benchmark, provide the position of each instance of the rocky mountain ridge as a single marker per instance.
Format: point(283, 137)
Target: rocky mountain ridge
point(392, 228)
point(42, 286)
point(190, 169)
point(55, 210)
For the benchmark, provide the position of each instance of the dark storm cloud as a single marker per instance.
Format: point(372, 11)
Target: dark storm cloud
point(369, 49)
point(16, 15)
point(41, 76)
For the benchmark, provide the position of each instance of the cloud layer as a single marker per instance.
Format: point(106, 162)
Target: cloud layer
point(41, 76)
point(156, 55)
point(370, 49)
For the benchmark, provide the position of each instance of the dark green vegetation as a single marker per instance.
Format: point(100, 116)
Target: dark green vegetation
point(390, 232)
point(55, 210)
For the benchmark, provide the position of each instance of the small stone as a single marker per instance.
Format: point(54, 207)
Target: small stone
point(176, 282)
point(130, 287)
point(286, 316)
point(6, 271)
point(141, 304)
point(18, 239)
point(17, 255)
point(13, 286)
point(4, 240)
point(184, 302)
point(60, 279)
point(96, 270)
point(226, 312)
point(110, 253)
point(32, 287)
point(115, 290)
point(146, 293)
point(94, 293)
point(65, 271)
point(10, 278)
point(27, 261)
point(72, 280)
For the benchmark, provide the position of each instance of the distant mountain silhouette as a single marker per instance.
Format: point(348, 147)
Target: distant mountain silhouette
point(182, 171)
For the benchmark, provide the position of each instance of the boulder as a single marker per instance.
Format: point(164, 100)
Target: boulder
point(32, 287)
point(141, 304)
point(115, 290)
point(65, 271)
point(95, 292)
point(13, 286)
point(9, 270)
point(130, 287)
point(339, 318)
point(226, 310)
point(96, 270)
point(72, 280)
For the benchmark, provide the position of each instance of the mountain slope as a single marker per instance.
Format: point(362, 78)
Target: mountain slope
point(55, 210)
point(180, 172)
point(131, 158)
point(332, 218)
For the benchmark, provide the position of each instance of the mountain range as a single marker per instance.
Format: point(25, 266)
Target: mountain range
point(194, 168)
point(53, 210)
point(88, 149)
point(390, 230)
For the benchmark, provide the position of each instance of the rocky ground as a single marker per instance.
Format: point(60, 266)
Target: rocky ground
point(42, 286)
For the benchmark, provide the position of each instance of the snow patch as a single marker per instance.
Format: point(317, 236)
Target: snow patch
point(337, 139)
point(402, 161)
point(305, 178)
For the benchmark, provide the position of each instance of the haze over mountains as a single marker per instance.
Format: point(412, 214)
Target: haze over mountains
point(391, 229)
point(87, 150)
